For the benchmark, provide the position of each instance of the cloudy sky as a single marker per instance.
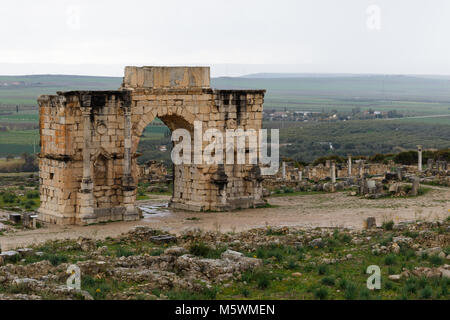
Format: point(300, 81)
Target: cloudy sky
point(235, 37)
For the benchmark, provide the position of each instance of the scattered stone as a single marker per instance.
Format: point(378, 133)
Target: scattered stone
point(296, 274)
point(395, 277)
point(25, 252)
point(402, 239)
point(87, 244)
point(317, 243)
point(163, 239)
point(430, 251)
point(9, 256)
point(175, 251)
point(395, 248)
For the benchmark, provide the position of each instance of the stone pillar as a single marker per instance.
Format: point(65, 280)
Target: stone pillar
point(430, 164)
point(128, 186)
point(333, 171)
point(361, 168)
point(284, 170)
point(86, 196)
point(419, 160)
point(415, 186)
point(349, 165)
point(300, 175)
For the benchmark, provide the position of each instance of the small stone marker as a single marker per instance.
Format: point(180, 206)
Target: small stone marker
point(370, 223)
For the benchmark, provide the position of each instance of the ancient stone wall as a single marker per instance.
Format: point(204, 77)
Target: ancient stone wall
point(89, 141)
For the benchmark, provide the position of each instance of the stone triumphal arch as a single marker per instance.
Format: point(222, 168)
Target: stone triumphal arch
point(89, 141)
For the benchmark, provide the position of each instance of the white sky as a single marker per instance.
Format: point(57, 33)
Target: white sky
point(234, 37)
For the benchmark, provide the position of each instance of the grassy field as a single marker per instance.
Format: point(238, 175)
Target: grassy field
point(411, 96)
point(308, 141)
point(407, 95)
point(50, 84)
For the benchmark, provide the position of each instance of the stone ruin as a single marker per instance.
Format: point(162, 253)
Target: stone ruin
point(89, 141)
point(154, 171)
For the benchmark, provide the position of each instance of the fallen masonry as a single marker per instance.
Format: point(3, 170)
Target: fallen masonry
point(205, 264)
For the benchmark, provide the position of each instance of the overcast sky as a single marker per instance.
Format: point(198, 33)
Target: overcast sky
point(233, 36)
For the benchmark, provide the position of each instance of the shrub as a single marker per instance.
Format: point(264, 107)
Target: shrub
point(321, 293)
point(157, 252)
point(364, 294)
point(200, 249)
point(292, 264)
point(245, 292)
point(29, 204)
point(322, 269)
point(342, 284)
point(9, 197)
point(388, 225)
point(388, 285)
point(426, 293)
point(411, 285)
point(55, 259)
point(262, 280)
point(32, 194)
point(123, 252)
point(436, 260)
point(390, 260)
point(346, 238)
point(351, 291)
point(328, 281)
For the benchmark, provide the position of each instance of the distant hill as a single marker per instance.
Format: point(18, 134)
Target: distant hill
point(337, 75)
point(297, 75)
point(410, 94)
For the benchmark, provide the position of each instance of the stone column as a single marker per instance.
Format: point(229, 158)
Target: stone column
point(419, 161)
point(300, 175)
point(86, 196)
point(349, 165)
point(128, 186)
point(360, 168)
point(333, 171)
point(284, 170)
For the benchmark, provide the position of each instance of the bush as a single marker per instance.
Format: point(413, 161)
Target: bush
point(9, 197)
point(342, 284)
point(426, 293)
point(245, 292)
point(202, 250)
point(32, 194)
point(262, 280)
point(321, 293)
point(388, 225)
point(328, 281)
point(322, 269)
point(390, 260)
point(123, 252)
point(351, 291)
point(29, 204)
point(55, 259)
point(436, 260)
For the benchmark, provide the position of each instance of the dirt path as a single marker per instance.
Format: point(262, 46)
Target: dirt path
point(323, 210)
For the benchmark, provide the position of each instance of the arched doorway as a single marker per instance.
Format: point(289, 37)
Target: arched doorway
point(89, 145)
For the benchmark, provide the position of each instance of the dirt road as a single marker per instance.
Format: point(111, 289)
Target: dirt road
point(323, 210)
